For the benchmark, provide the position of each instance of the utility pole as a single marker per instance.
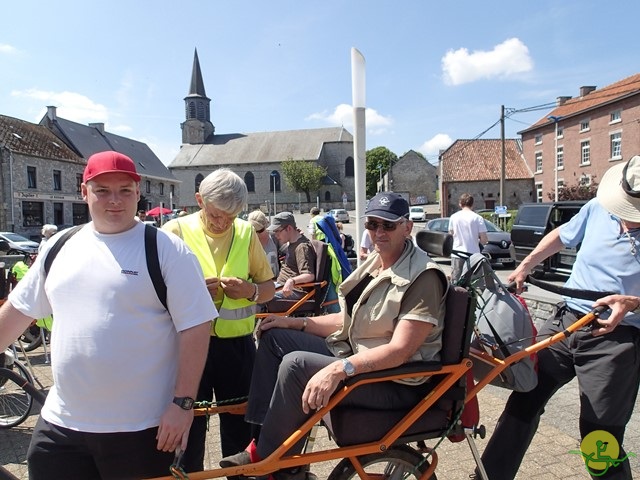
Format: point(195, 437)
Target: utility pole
point(503, 163)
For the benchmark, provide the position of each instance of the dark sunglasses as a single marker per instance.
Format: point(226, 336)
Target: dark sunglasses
point(386, 226)
point(260, 231)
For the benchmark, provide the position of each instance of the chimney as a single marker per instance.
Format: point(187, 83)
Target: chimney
point(561, 100)
point(586, 90)
point(98, 126)
point(51, 113)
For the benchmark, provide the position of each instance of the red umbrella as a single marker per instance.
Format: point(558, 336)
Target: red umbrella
point(154, 212)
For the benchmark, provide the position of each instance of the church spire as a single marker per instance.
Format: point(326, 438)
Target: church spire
point(197, 126)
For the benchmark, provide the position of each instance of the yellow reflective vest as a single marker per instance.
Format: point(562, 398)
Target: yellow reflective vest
point(237, 316)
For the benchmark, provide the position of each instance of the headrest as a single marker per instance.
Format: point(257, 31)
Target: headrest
point(437, 244)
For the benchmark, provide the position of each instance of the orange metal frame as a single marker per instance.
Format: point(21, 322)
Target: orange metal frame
point(452, 373)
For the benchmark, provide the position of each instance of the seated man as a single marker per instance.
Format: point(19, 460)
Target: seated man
point(392, 312)
point(299, 264)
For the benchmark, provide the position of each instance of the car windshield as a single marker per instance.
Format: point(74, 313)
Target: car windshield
point(491, 227)
point(14, 237)
point(416, 209)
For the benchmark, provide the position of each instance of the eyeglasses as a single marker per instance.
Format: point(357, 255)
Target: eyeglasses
point(386, 226)
point(260, 231)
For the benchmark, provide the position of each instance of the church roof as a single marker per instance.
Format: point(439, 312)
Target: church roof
point(259, 147)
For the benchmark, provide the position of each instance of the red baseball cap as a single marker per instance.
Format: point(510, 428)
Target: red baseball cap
point(109, 162)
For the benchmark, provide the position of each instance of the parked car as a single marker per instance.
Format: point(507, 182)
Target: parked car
point(499, 250)
point(533, 221)
point(416, 214)
point(339, 215)
point(18, 244)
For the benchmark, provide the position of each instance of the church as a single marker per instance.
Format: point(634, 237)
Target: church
point(257, 157)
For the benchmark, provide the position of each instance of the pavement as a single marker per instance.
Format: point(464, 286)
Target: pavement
point(548, 457)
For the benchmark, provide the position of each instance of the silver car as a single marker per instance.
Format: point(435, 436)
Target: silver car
point(339, 215)
point(499, 250)
point(18, 244)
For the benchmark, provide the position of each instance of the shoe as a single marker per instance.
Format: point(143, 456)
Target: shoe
point(242, 458)
point(295, 473)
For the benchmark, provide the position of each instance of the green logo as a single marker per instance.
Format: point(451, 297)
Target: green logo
point(600, 451)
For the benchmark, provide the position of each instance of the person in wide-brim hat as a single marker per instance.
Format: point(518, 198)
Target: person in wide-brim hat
point(619, 190)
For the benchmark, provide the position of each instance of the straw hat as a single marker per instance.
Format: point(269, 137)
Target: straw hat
point(619, 190)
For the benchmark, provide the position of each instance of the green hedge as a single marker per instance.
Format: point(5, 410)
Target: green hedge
point(500, 222)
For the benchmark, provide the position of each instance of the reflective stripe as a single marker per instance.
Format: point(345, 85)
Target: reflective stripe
point(238, 313)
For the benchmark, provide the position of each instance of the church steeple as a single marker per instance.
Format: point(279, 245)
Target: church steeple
point(197, 126)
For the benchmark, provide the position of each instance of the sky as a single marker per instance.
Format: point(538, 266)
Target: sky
point(435, 71)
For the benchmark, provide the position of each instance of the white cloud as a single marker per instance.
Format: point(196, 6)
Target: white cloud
point(507, 59)
point(440, 141)
point(8, 49)
point(70, 105)
point(377, 124)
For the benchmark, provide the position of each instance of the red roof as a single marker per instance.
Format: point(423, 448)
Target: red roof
point(596, 98)
point(481, 160)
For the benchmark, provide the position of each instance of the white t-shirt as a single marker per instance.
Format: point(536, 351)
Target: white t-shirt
point(114, 347)
point(466, 226)
point(366, 241)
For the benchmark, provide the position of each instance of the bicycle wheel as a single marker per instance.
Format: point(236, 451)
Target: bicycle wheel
point(31, 338)
point(401, 462)
point(15, 402)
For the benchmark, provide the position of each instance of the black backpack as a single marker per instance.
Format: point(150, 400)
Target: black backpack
point(151, 253)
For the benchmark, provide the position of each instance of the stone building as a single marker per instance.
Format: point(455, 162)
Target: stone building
point(414, 177)
point(157, 185)
point(257, 157)
point(475, 167)
point(40, 178)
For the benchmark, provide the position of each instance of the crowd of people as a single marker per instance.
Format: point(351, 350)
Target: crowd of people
point(127, 376)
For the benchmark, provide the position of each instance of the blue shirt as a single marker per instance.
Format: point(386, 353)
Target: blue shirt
point(605, 261)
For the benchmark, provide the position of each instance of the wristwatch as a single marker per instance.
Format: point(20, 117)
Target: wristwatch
point(256, 293)
point(185, 403)
point(348, 368)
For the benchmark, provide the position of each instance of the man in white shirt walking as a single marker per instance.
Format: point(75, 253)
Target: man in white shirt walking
point(469, 232)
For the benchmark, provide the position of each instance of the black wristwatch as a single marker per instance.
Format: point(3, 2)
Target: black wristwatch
point(185, 403)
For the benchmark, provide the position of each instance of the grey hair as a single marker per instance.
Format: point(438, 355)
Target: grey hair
point(258, 219)
point(225, 190)
point(49, 229)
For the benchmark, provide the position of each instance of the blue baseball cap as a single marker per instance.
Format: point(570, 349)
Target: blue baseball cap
point(388, 206)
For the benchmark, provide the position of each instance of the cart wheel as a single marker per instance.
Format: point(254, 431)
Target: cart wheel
point(401, 462)
point(31, 338)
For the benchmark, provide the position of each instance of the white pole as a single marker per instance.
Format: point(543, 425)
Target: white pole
point(359, 139)
point(274, 194)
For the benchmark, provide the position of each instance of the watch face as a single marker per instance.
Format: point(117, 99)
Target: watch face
point(186, 403)
point(348, 368)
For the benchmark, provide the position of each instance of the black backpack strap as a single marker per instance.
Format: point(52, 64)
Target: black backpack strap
point(53, 251)
point(153, 263)
point(568, 292)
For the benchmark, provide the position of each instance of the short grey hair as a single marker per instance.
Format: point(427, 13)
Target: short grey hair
point(49, 229)
point(225, 190)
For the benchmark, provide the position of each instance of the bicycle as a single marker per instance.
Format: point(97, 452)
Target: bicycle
point(17, 391)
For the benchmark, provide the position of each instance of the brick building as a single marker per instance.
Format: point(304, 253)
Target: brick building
point(595, 130)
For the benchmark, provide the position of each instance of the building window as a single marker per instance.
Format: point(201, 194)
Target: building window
point(538, 192)
point(585, 149)
point(172, 190)
point(348, 167)
point(560, 157)
point(274, 181)
point(58, 213)
point(560, 132)
point(198, 181)
point(615, 116)
point(538, 162)
point(80, 213)
point(585, 180)
point(31, 177)
point(147, 186)
point(161, 188)
point(250, 182)
point(78, 183)
point(538, 139)
point(616, 146)
point(584, 125)
point(57, 180)
point(32, 214)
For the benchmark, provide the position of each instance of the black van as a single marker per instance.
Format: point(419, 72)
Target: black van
point(534, 221)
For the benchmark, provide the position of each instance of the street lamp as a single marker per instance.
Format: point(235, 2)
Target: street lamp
point(555, 119)
point(273, 175)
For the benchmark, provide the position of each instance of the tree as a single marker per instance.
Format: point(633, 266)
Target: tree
point(378, 162)
point(303, 176)
point(577, 191)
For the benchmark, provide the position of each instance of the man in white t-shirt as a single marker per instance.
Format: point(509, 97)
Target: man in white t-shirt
point(125, 368)
point(469, 232)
